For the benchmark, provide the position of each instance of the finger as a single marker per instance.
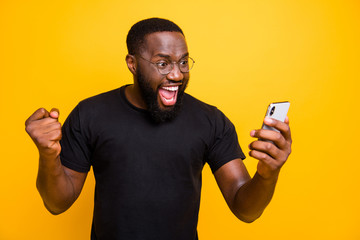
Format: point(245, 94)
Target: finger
point(263, 157)
point(265, 147)
point(270, 135)
point(55, 135)
point(283, 127)
point(38, 127)
point(38, 114)
point(43, 122)
point(54, 113)
point(286, 120)
point(51, 127)
point(46, 140)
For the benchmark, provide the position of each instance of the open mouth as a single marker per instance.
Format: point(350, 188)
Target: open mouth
point(168, 95)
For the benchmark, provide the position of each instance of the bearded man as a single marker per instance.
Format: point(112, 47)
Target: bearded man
point(147, 144)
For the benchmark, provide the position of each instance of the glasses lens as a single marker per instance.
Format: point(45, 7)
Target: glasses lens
point(164, 67)
point(186, 65)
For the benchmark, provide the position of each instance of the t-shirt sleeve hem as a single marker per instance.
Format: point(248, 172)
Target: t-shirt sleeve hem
point(226, 160)
point(74, 167)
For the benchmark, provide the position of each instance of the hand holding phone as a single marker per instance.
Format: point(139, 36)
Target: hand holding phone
point(272, 156)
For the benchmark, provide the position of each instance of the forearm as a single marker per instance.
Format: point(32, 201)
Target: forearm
point(54, 186)
point(252, 198)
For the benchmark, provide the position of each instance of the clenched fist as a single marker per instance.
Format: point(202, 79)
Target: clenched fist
point(45, 130)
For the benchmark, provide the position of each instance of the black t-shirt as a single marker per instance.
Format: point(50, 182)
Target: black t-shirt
point(148, 176)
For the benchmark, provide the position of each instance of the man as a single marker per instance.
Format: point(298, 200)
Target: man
point(147, 144)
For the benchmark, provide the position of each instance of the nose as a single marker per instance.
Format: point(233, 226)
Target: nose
point(175, 74)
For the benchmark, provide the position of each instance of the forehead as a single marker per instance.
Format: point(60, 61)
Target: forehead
point(172, 44)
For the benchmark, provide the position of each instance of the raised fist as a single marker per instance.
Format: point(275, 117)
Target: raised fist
point(45, 130)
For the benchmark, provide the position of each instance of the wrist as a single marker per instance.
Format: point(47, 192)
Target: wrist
point(49, 154)
point(49, 160)
point(268, 180)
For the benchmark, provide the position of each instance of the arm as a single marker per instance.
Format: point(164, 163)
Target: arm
point(247, 198)
point(58, 186)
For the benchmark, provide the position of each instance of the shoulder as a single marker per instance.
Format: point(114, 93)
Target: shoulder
point(98, 106)
point(102, 98)
point(198, 107)
point(212, 114)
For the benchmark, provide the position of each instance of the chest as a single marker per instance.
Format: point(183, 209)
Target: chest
point(135, 145)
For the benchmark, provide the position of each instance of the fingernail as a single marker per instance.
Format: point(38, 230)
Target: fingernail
point(54, 114)
point(268, 120)
point(252, 133)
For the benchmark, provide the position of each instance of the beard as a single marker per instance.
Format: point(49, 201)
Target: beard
point(150, 96)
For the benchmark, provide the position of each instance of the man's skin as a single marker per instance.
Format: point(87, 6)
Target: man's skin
point(247, 197)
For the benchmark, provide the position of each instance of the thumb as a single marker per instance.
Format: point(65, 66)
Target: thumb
point(54, 113)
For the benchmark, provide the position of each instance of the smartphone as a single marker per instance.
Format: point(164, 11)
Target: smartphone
point(278, 111)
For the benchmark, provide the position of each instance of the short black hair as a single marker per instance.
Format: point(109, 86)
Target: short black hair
point(139, 30)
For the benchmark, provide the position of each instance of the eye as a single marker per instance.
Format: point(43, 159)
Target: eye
point(162, 64)
point(184, 62)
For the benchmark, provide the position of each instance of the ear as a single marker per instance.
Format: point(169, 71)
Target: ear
point(131, 63)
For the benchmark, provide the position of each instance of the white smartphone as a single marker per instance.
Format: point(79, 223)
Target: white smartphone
point(278, 111)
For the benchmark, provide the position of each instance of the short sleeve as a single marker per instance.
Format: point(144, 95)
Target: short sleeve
point(75, 150)
point(225, 146)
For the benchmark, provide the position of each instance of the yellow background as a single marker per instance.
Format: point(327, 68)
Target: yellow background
point(248, 54)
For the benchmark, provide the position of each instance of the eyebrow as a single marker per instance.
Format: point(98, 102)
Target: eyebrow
point(168, 56)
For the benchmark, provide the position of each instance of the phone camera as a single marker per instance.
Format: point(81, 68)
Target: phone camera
point(272, 110)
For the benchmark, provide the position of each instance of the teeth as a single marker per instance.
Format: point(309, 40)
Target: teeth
point(172, 89)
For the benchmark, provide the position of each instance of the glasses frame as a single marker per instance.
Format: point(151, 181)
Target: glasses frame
point(171, 64)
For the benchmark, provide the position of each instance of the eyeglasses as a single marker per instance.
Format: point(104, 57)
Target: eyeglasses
point(165, 67)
